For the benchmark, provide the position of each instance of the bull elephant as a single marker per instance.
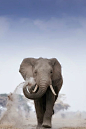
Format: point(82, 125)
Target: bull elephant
point(48, 82)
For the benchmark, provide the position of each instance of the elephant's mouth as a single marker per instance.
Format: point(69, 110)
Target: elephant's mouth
point(35, 88)
point(32, 89)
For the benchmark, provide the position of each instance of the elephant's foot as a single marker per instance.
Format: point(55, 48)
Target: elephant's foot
point(39, 126)
point(47, 124)
point(43, 128)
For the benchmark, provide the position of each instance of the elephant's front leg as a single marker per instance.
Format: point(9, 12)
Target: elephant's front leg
point(50, 100)
point(39, 111)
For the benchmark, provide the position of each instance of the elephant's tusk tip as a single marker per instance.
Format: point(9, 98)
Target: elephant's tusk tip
point(51, 87)
point(27, 89)
point(35, 89)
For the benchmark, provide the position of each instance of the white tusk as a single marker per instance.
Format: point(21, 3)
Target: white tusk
point(52, 90)
point(35, 88)
point(27, 89)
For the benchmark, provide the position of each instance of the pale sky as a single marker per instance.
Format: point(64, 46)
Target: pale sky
point(45, 29)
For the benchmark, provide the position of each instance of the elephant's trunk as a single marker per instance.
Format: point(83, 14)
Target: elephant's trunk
point(43, 84)
point(33, 96)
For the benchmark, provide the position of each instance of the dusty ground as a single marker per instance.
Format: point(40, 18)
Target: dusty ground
point(58, 123)
point(10, 127)
point(75, 128)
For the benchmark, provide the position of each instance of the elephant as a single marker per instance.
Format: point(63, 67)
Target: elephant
point(48, 82)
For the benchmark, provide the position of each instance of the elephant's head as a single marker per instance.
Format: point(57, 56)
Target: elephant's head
point(46, 72)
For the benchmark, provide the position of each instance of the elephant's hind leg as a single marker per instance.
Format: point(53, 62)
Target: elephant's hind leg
point(39, 111)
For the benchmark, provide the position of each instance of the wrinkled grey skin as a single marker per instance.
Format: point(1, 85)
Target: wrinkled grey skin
point(46, 72)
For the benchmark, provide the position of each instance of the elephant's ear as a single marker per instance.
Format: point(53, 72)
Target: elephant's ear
point(57, 76)
point(26, 67)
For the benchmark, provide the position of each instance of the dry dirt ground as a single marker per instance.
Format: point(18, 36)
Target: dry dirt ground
point(58, 123)
point(10, 127)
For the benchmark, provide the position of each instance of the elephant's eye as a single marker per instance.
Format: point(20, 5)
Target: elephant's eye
point(35, 72)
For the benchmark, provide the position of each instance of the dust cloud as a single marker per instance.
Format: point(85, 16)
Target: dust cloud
point(16, 115)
